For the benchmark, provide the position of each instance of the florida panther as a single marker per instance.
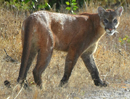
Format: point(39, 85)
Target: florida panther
point(78, 35)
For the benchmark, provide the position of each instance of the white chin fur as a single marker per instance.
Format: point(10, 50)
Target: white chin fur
point(110, 32)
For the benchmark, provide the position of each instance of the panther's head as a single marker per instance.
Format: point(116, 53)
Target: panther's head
point(109, 19)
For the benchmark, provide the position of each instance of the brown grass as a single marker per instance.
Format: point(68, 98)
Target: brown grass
point(111, 57)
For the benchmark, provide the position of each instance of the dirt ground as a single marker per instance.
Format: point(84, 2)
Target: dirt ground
point(80, 85)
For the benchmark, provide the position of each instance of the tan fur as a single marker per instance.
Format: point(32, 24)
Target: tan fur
point(76, 34)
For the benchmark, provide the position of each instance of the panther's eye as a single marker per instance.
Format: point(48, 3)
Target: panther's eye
point(105, 21)
point(115, 20)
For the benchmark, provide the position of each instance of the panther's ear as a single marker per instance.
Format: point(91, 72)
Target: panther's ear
point(101, 11)
point(119, 11)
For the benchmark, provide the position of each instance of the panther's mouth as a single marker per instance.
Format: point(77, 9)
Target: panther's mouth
point(111, 31)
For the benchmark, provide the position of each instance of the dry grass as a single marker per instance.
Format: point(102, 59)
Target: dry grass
point(112, 60)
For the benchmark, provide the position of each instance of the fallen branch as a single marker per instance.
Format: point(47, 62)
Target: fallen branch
point(14, 89)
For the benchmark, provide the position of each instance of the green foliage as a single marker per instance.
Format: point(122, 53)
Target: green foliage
point(31, 5)
point(124, 40)
point(17, 5)
point(71, 6)
point(35, 5)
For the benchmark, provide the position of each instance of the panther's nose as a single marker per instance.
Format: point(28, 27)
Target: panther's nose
point(110, 29)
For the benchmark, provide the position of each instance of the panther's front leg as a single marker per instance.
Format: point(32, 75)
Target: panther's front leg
point(91, 66)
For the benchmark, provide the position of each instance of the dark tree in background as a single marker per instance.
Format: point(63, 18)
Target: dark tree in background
point(63, 2)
